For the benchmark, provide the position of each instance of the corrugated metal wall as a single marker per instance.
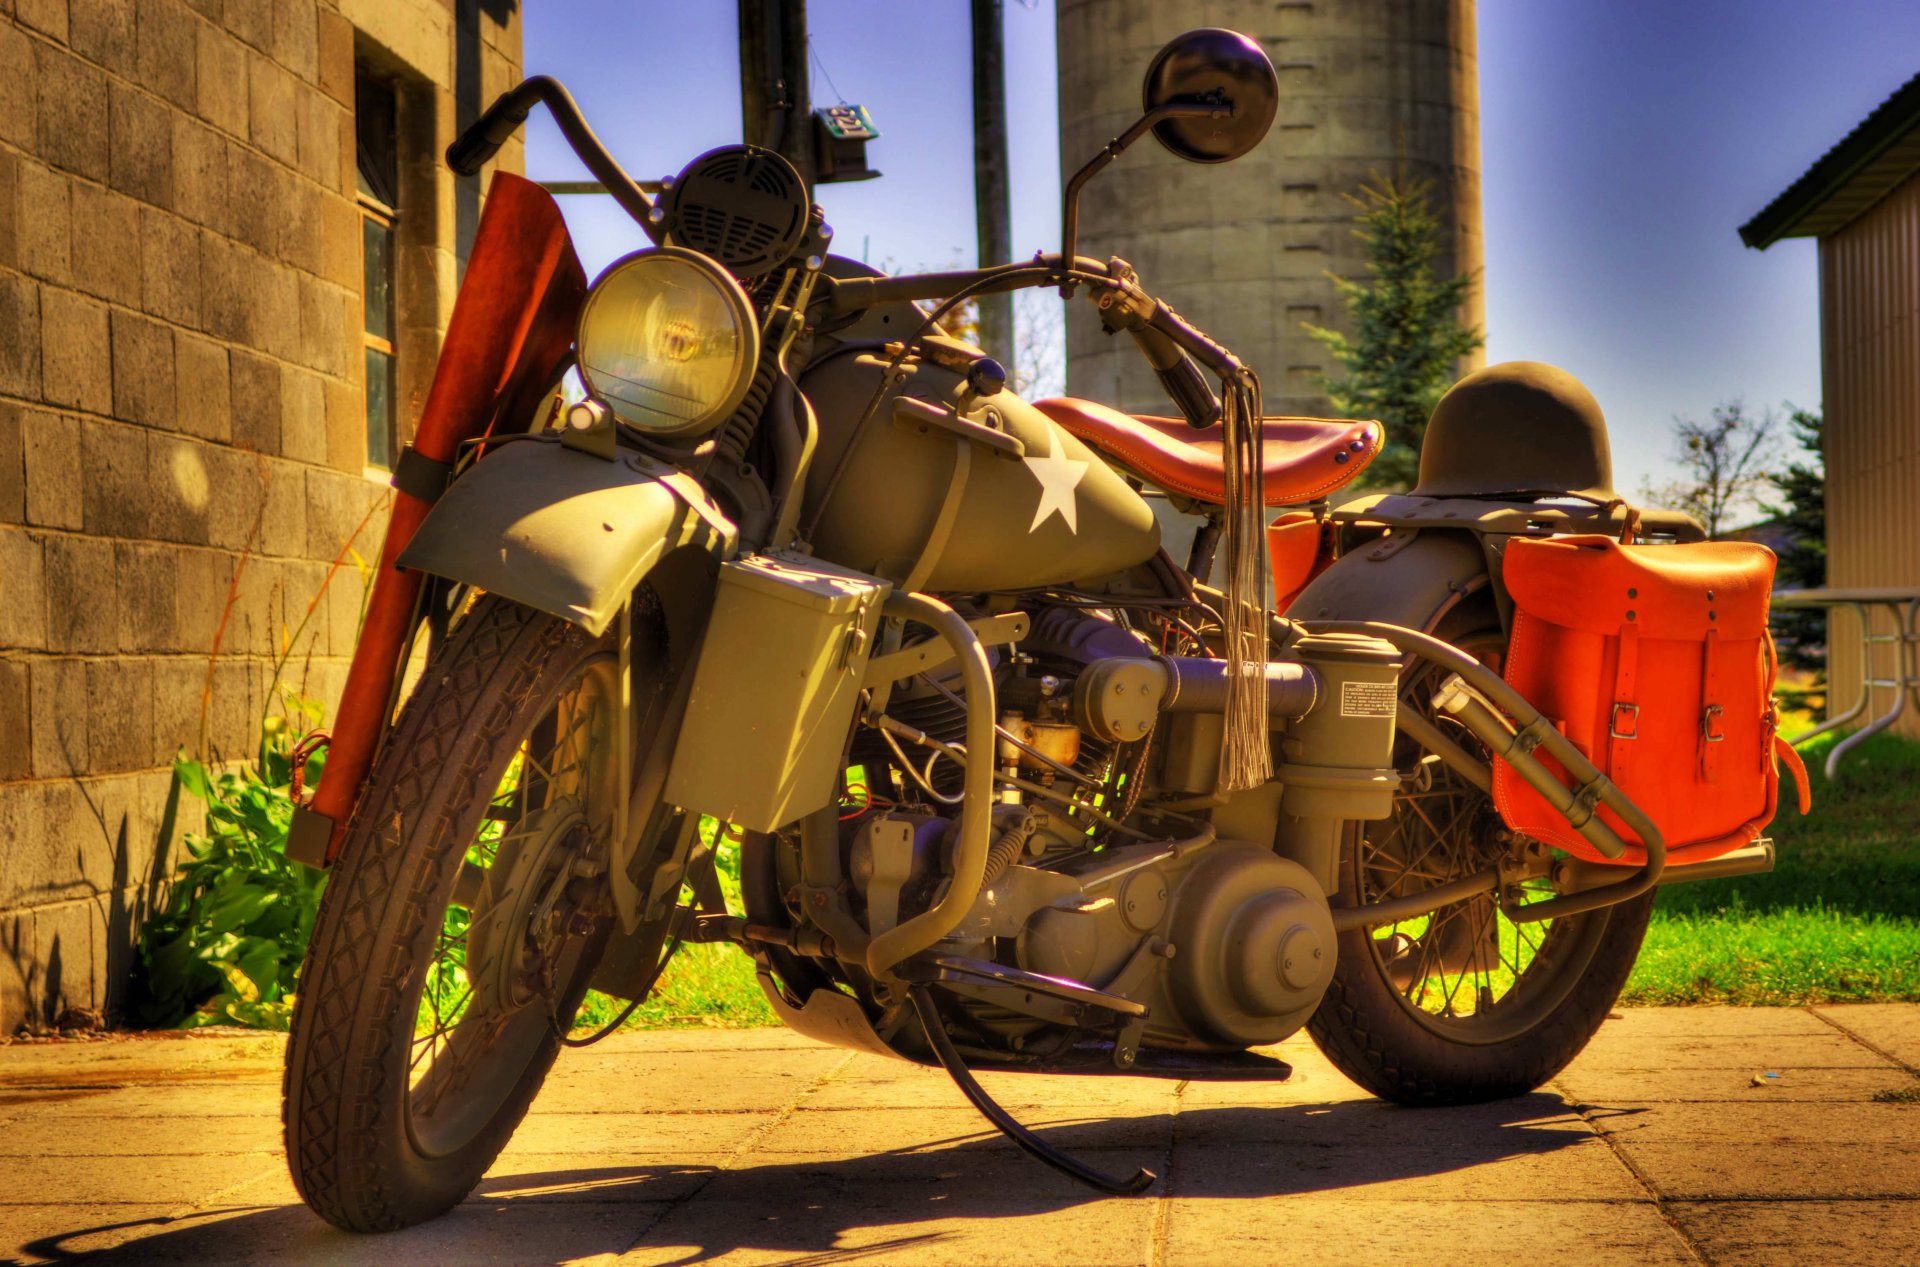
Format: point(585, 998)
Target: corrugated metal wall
point(1870, 367)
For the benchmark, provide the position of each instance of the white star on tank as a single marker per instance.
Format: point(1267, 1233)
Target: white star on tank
point(1059, 476)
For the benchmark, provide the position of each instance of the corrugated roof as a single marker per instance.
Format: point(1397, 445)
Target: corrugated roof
point(1849, 178)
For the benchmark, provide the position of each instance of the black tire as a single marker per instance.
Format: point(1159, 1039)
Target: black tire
point(353, 1133)
point(1390, 1037)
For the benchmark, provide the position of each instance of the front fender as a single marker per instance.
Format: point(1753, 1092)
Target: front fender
point(565, 532)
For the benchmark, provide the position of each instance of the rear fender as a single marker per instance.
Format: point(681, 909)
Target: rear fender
point(1412, 585)
point(565, 532)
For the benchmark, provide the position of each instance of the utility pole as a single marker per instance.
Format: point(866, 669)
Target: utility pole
point(990, 203)
point(775, 106)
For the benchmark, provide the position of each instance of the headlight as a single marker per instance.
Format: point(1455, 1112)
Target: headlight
point(667, 339)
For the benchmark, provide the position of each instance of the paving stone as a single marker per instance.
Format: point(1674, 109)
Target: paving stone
point(1213, 1233)
point(256, 1134)
point(1831, 1233)
point(482, 1233)
point(1825, 1050)
point(1503, 1124)
point(1662, 1023)
point(744, 1167)
point(969, 1219)
point(569, 1178)
point(1666, 1086)
point(857, 1133)
point(668, 1132)
point(111, 1180)
point(599, 1089)
point(1894, 1028)
point(1758, 1170)
point(64, 1233)
point(209, 1102)
point(1762, 1122)
point(1540, 1166)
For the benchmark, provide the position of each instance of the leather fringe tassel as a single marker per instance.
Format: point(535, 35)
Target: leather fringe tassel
point(1245, 757)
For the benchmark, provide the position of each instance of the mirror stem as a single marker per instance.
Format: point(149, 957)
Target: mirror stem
point(1070, 215)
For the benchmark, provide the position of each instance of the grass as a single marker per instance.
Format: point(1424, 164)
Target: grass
point(1837, 920)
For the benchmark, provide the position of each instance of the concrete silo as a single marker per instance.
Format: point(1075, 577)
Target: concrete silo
point(1244, 249)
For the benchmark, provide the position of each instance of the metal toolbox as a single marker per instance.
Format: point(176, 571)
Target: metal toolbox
point(775, 689)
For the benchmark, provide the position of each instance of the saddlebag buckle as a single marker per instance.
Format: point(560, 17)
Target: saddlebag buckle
point(1630, 714)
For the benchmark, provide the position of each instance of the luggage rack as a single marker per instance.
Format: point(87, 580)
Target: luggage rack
point(1902, 608)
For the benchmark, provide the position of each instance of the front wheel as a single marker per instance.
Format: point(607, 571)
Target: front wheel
point(1462, 1005)
point(459, 929)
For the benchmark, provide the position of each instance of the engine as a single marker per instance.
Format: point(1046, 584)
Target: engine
point(1226, 942)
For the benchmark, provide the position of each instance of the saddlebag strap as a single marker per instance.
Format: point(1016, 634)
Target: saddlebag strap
point(1713, 713)
point(1623, 726)
point(420, 476)
point(1790, 756)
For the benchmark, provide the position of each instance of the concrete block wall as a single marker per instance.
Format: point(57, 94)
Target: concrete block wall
point(1366, 86)
point(182, 445)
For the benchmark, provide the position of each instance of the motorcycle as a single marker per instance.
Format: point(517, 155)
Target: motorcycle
point(1011, 786)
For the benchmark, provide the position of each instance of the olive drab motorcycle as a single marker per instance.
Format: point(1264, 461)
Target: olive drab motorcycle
point(1012, 786)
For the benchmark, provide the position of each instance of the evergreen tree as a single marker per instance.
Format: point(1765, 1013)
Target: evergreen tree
point(1407, 335)
point(1803, 563)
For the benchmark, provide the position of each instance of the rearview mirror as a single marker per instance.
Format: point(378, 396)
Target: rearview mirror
point(1214, 67)
point(1209, 97)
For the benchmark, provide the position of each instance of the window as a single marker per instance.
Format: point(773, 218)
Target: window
point(377, 128)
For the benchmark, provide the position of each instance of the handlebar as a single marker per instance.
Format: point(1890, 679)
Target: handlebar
point(484, 137)
point(1169, 341)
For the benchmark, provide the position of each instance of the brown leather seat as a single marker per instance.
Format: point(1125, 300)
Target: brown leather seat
point(1305, 458)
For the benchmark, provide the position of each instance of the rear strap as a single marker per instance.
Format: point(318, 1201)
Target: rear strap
point(1798, 768)
point(1713, 720)
point(1623, 721)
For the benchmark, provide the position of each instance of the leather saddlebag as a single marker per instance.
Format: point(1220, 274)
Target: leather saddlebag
point(1655, 660)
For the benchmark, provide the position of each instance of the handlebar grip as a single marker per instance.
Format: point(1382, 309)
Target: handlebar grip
point(484, 137)
point(1188, 388)
point(1191, 340)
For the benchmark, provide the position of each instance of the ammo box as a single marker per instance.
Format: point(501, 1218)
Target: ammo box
point(774, 690)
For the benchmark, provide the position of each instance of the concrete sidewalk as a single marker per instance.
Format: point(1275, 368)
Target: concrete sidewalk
point(1657, 1146)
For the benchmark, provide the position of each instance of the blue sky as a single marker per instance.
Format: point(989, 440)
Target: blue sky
point(1623, 143)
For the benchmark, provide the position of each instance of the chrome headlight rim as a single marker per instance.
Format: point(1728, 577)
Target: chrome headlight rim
point(740, 309)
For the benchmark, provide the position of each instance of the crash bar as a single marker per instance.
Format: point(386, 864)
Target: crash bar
point(1903, 611)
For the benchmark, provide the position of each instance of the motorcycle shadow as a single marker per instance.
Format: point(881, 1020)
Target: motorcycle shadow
point(953, 1191)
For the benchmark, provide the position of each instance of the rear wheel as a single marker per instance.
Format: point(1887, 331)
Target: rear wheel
point(458, 932)
point(1461, 1005)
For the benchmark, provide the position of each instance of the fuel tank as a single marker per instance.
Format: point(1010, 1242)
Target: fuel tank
point(998, 497)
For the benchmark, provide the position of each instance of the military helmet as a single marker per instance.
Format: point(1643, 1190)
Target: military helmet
point(1517, 427)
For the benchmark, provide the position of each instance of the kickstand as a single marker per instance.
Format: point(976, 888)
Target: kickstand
point(1030, 1143)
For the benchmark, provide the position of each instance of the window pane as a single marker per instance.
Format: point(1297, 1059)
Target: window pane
point(380, 449)
point(376, 280)
point(375, 127)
